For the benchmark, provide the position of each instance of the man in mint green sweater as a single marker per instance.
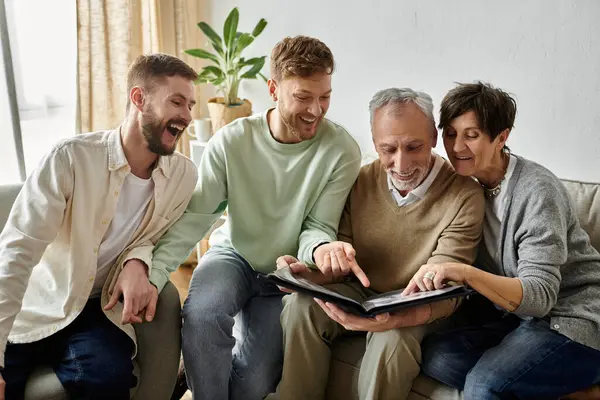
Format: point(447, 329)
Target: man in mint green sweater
point(284, 176)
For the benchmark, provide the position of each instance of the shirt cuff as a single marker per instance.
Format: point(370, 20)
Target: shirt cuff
point(142, 253)
point(314, 247)
point(159, 278)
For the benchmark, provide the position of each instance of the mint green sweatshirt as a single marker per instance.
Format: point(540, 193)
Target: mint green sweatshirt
point(280, 198)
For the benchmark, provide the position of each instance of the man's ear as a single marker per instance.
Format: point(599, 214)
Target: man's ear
point(272, 84)
point(137, 97)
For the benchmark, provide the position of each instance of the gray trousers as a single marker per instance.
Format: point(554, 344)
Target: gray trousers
point(224, 286)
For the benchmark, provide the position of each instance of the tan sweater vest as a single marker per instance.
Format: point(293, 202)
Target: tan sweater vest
point(393, 242)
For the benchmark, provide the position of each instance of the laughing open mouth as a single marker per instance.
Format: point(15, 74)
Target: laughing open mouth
point(175, 129)
point(308, 120)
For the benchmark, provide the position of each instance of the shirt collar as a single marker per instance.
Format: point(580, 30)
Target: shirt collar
point(117, 159)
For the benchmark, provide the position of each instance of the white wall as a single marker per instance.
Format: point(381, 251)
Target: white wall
point(546, 52)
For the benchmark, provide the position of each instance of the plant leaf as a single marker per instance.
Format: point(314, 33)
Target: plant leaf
point(207, 75)
point(259, 27)
point(252, 72)
point(215, 39)
point(204, 74)
point(202, 54)
point(210, 33)
point(216, 71)
point(230, 28)
point(262, 76)
point(244, 41)
point(218, 48)
point(252, 61)
point(212, 75)
point(217, 81)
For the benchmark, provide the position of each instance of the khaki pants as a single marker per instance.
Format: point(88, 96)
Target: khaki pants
point(390, 364)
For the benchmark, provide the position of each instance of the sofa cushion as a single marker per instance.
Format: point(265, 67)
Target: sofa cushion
point(8, 194)
point(347, 354)
point(43, 384)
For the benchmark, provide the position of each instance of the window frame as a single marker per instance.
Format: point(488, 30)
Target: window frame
point(12, 90)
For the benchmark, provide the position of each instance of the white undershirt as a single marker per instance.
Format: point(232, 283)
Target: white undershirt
point(134, 198)
point(419, 192)
point(494, 212)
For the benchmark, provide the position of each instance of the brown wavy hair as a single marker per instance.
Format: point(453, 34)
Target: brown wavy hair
point(300, 56)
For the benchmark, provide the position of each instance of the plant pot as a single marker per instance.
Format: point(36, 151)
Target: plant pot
point(221, 114)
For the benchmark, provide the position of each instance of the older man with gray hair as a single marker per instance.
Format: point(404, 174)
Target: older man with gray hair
point(406, 209)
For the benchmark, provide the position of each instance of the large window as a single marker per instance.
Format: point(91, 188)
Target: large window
point(40, 42)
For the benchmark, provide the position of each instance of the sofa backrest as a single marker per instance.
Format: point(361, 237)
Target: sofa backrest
point(8, 194)
point(586, 197)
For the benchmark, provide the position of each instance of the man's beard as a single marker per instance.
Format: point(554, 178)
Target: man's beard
point(419, 175)
point(289, 124)
point(291, 120)
point(153, 128)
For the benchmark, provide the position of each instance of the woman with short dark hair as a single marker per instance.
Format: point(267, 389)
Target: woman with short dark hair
point(536, 265)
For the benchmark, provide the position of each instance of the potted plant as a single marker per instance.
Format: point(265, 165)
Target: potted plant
point(229, 68)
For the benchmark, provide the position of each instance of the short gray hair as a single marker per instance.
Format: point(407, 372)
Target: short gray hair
point(398, 98)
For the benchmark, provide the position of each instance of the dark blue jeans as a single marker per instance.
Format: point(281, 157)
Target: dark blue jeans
point(510, 358)
point(91, 357)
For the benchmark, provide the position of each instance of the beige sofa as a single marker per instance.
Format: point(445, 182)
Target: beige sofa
point(159, 343)
point(347, 353)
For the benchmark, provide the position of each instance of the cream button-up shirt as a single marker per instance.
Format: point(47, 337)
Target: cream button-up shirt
point(49, 245)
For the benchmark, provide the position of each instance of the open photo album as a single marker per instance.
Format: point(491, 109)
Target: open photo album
point(381, 303)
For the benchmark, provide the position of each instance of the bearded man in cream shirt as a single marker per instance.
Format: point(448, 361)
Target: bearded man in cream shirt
point(80, 237)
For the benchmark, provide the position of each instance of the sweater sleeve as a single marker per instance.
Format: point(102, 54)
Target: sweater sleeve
point(459, 240)
point(541, 244)
point(458, 243)
point(207, 203)
point(322, 222)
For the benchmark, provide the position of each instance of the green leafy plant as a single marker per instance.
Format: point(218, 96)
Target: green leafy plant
point(229, 68)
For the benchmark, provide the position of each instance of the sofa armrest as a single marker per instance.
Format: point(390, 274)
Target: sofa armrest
point(159, 348)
